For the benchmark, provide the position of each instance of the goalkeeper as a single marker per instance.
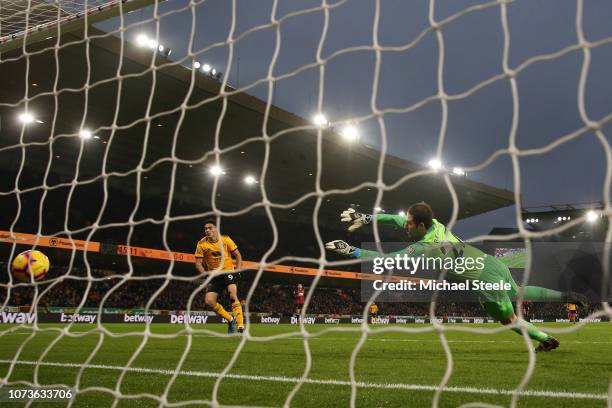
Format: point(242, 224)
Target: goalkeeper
point(431, 239)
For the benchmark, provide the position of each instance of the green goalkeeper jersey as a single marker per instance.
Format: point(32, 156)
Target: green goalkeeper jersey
point(437, 243)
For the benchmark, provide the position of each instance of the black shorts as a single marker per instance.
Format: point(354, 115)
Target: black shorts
point(218, 283)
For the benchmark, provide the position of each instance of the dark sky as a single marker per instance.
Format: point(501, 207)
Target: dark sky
point(478, 125)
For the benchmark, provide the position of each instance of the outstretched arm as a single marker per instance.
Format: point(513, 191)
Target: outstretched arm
point(397, 220)
point(343, 248)
point(356, 219)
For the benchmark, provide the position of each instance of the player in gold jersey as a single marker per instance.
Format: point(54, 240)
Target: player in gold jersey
point(210, 252)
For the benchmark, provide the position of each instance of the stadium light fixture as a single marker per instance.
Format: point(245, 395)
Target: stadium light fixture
point(213, 72)
point(26, 118)
point(591, 216)
point(196, 64)
point(320, 120)
point(401, 214)
point(85, 134)
point(249, 180)
point(163, 50)
point(559, 219)
point(216, 170)
point(206, 68)
point(458, 171)
point(142, 40)
point(350, 133)
point(435, 164)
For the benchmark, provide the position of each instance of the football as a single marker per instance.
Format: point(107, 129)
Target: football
point(30, 265)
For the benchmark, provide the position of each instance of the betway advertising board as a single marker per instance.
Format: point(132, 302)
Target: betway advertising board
point(199, 319)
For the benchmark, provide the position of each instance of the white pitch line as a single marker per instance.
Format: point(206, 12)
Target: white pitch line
point(293, 380)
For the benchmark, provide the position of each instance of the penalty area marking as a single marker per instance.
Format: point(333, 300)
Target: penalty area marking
point(294, 380)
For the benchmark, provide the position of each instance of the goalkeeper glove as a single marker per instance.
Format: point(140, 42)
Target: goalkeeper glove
point(341, 247)
point(356, 219)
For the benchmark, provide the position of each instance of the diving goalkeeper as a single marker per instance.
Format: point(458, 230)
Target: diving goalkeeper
point(432, 240)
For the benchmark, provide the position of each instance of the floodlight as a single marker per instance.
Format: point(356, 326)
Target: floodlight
point(216, 170)
point(320, 120)
point(142, 40)
point(350, 133)
point(26, 118)
point(163, 50)
point(435, 164)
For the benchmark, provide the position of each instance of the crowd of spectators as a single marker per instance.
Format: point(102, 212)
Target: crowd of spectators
point(267, 297)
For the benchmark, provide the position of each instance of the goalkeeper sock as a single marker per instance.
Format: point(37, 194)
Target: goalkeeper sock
point(533, 332)
point(220, 311)
point(237, 309)
point(539, 294)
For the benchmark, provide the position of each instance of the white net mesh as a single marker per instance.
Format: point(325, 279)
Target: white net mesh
point(94, 108)
point(19, 16)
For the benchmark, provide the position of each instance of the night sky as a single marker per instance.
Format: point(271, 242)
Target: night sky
point(478, 125)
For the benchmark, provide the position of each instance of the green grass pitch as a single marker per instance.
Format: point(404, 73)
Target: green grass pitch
point(393, 369)
point(515, 261)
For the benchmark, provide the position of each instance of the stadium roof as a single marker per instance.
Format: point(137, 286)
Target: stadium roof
point(292, 165)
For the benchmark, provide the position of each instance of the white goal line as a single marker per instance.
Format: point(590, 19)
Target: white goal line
point(295, 380)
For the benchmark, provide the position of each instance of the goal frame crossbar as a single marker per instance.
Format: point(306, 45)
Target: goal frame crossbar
point(70, 22)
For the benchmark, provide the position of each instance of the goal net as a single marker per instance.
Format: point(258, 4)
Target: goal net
point(128, 125)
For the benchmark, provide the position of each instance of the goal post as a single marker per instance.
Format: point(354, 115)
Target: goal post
point(116, 155)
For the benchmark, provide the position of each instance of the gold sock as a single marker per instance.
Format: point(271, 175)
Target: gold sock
point(219, 310)
point(237, 309)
